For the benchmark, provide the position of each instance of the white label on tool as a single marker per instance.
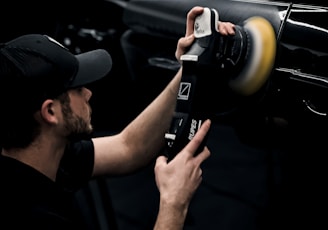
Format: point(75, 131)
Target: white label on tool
point(184, 91)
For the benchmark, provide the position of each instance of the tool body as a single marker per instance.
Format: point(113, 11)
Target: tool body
point(241, 65)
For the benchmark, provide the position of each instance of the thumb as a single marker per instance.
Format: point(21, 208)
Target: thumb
point(161, 160)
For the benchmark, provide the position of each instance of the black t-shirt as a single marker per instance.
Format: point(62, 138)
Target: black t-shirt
point(30, 200)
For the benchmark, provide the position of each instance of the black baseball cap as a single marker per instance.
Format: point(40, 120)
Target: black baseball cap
point(42, 60)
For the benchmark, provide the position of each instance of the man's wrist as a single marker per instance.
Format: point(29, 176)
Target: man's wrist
point(172, 215)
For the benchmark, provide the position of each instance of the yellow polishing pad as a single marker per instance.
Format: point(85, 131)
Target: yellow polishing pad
point(260, 57)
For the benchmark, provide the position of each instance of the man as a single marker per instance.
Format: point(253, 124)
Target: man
point(47, 152)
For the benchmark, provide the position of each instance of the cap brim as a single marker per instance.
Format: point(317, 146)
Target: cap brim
point(93, 66)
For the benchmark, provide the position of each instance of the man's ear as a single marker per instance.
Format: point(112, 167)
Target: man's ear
point(48, 111)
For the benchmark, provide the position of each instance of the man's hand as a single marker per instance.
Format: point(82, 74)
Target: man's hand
point(178, 180)
point(224, 28)
point(187, 40)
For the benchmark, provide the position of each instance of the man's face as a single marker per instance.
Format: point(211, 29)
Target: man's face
point(77, 114)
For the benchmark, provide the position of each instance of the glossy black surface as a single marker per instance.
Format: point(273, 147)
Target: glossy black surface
point(301, 73)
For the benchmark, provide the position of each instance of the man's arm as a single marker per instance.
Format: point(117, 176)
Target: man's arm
point(143, 138)
point(138, 143)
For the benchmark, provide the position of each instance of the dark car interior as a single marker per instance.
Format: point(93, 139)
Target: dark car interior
point(267, 169)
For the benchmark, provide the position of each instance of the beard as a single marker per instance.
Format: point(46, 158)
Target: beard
point(76, 127)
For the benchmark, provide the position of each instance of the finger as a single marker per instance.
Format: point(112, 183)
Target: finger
point(161, 160)
point(223, 31)
point(203, 155)
point(183, 44)
point(196, 141)
point(230, 28)
point(191, 16)
point(226, 28)
point(187, 41)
